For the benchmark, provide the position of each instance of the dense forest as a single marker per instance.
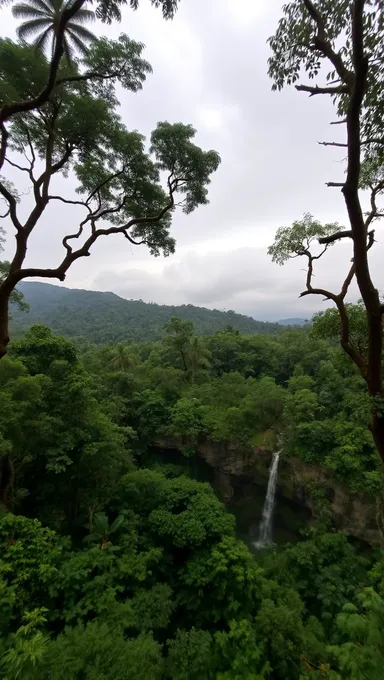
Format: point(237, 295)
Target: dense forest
point(120, 556)
point(118, 564)
point(90, 316)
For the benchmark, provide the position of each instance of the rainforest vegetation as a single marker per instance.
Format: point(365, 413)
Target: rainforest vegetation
point(117, 563)
point(88, 316)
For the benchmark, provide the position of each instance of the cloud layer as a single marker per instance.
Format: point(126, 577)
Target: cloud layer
point(210, 69)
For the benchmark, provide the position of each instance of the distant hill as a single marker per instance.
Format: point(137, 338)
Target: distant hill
point(293, 322)
point(91, 316)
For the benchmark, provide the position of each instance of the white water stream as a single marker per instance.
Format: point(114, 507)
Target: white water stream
point(265, 529)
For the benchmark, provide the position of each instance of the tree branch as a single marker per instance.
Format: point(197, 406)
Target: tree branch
point(13, 108)
point(19, 167)
point(12, 203)
point(333, 144)
point(313, 90)
point(335, 237)
point(71, 256)
point(374, 212)
point(323, 45)
point(347, 282)
point(55, 167)
point(4, 141)
point(68, 201)
point(87, 76)
point(104, 182)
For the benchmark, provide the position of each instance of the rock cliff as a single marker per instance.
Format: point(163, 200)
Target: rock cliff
point(241, 473)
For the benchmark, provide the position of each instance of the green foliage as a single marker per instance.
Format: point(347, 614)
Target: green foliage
point(190, 655)
point(41, 20)
point(327, 325)
point(29, 558)
point(360, 654)
point(98, 652)
point(100, 318)
point(293, 53)
point(143, 575)
point(176, 153)
point(26, 648)
point(296, 240)
point(53, 427)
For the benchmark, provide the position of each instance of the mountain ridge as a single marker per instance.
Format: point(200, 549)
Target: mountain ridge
point(102, 317)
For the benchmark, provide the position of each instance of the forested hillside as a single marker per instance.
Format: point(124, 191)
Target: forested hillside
point(117, 564)
point(98, 318)
point(129, 431)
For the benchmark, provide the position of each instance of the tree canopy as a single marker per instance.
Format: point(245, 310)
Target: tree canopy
point(124, 185)
point(117, 563)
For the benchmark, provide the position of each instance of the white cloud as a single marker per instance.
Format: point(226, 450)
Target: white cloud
point(210, 69)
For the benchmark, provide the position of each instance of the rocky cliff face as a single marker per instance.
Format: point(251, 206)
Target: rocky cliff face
point(241, 475)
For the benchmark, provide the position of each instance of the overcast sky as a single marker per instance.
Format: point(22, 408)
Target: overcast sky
point(210, 69)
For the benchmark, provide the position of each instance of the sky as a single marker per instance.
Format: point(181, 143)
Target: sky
point(210, 70)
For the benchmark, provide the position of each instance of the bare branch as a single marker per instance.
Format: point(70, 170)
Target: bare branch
point(333, 144)
point(334, 184)
point(12, 203)
point(347, 282)
point(374, 212)
point(319, 291)
point(313, 90)
point(335, 237)
point(371, 239)
point(317, 257)
point(19, 167)
point(66, 200)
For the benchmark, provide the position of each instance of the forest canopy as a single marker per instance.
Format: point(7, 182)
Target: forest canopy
point(117, 564)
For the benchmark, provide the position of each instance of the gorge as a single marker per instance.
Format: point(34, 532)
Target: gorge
point(241, 475)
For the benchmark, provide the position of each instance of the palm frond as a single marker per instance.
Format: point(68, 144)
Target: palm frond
point(42, 41)
point(42, 16)
point(116, 524)
point(33, 5)
point(30, 28)
point(80, 32)
point(77, 42)
point(44, 5)
point(100, 523)
point(68, 50)
point(82, 16)
point(24, 11)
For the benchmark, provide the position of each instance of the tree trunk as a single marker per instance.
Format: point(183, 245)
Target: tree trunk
point(7, 477)
point(4, 322)
point(377, 429)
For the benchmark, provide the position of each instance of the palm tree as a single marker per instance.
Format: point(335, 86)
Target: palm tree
point(101, 530)
point(199, 357)
point(122, 360)
point(42, 19)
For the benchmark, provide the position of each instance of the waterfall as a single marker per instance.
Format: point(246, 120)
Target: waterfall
point(265, 529)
